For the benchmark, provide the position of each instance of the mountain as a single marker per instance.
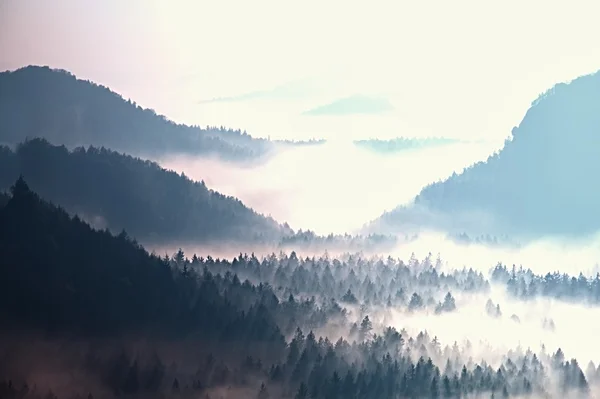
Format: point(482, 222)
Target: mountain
point(84, 313)
point(542, 182)
point(55, 105)
point(117, 191)
point(156, 206)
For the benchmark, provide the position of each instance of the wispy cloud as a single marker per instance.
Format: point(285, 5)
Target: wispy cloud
point(356, 104)
point(253, 95)
point(288, 91)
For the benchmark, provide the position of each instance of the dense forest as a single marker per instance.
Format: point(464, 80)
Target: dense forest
point(309, 240)
point(538, 184)
point(157, 206)
point(525, 284)
point(118, 191)
point(53, 104)
point(85, 313)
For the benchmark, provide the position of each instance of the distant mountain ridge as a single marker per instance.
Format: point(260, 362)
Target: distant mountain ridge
point(114, 191)
point(55, 105)
point(540, 183)
point(118, 191)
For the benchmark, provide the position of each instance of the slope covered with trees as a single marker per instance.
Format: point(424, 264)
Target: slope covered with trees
point(88, 314)
point(154, 205)
point(541, 182)
point(118, 191)
point(55, 105)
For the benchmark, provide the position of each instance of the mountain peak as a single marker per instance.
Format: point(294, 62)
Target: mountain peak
point(539, 183)
point(38, 101)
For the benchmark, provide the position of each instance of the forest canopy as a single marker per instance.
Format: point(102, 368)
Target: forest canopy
point(248, 327)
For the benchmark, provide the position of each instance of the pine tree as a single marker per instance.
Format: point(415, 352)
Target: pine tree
point(302, 392)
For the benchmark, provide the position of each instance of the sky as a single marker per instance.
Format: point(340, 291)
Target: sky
point(464, 69)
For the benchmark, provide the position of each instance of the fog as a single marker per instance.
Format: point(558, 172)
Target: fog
point(541, 256)
point(88, 315)
point(334, 187)
point(545, 255)
point(491, 338)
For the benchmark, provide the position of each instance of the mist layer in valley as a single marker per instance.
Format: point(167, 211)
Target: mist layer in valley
point(332, 187)
point(537, 185)
point(218, 322)
point(282, 324)
point(186, 213)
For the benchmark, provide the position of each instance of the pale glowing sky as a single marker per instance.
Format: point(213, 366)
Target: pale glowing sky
point(466, 68)
point(335, 187)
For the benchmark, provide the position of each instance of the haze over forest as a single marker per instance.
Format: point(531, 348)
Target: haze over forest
point(211, 200)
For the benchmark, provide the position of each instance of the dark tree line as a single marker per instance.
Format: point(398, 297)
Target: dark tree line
point(485, 239)
point(523, 283)
point(353, 279)
point(123, 192)
point(208, 333)
point(343, 242)
point(155, 205)
point(58, 273)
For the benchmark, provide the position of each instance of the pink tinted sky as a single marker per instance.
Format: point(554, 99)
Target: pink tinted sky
point(96, 40)
point(475, 65)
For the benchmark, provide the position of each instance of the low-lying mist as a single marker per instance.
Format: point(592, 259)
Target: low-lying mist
point(542, 256)
point(492, 337)
point(522, 323)
point(330, 188)
point(421, 285)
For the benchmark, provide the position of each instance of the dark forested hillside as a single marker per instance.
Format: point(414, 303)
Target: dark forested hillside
point(55, 105)
point(88, 314)
point(3, 199)
point(541, 182)
point(122, 192)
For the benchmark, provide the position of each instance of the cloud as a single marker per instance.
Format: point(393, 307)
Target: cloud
point(291, 90)
point(253, 95)
point(356, 104)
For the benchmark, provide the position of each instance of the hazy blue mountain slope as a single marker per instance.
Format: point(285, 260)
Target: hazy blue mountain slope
point(542, 182)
